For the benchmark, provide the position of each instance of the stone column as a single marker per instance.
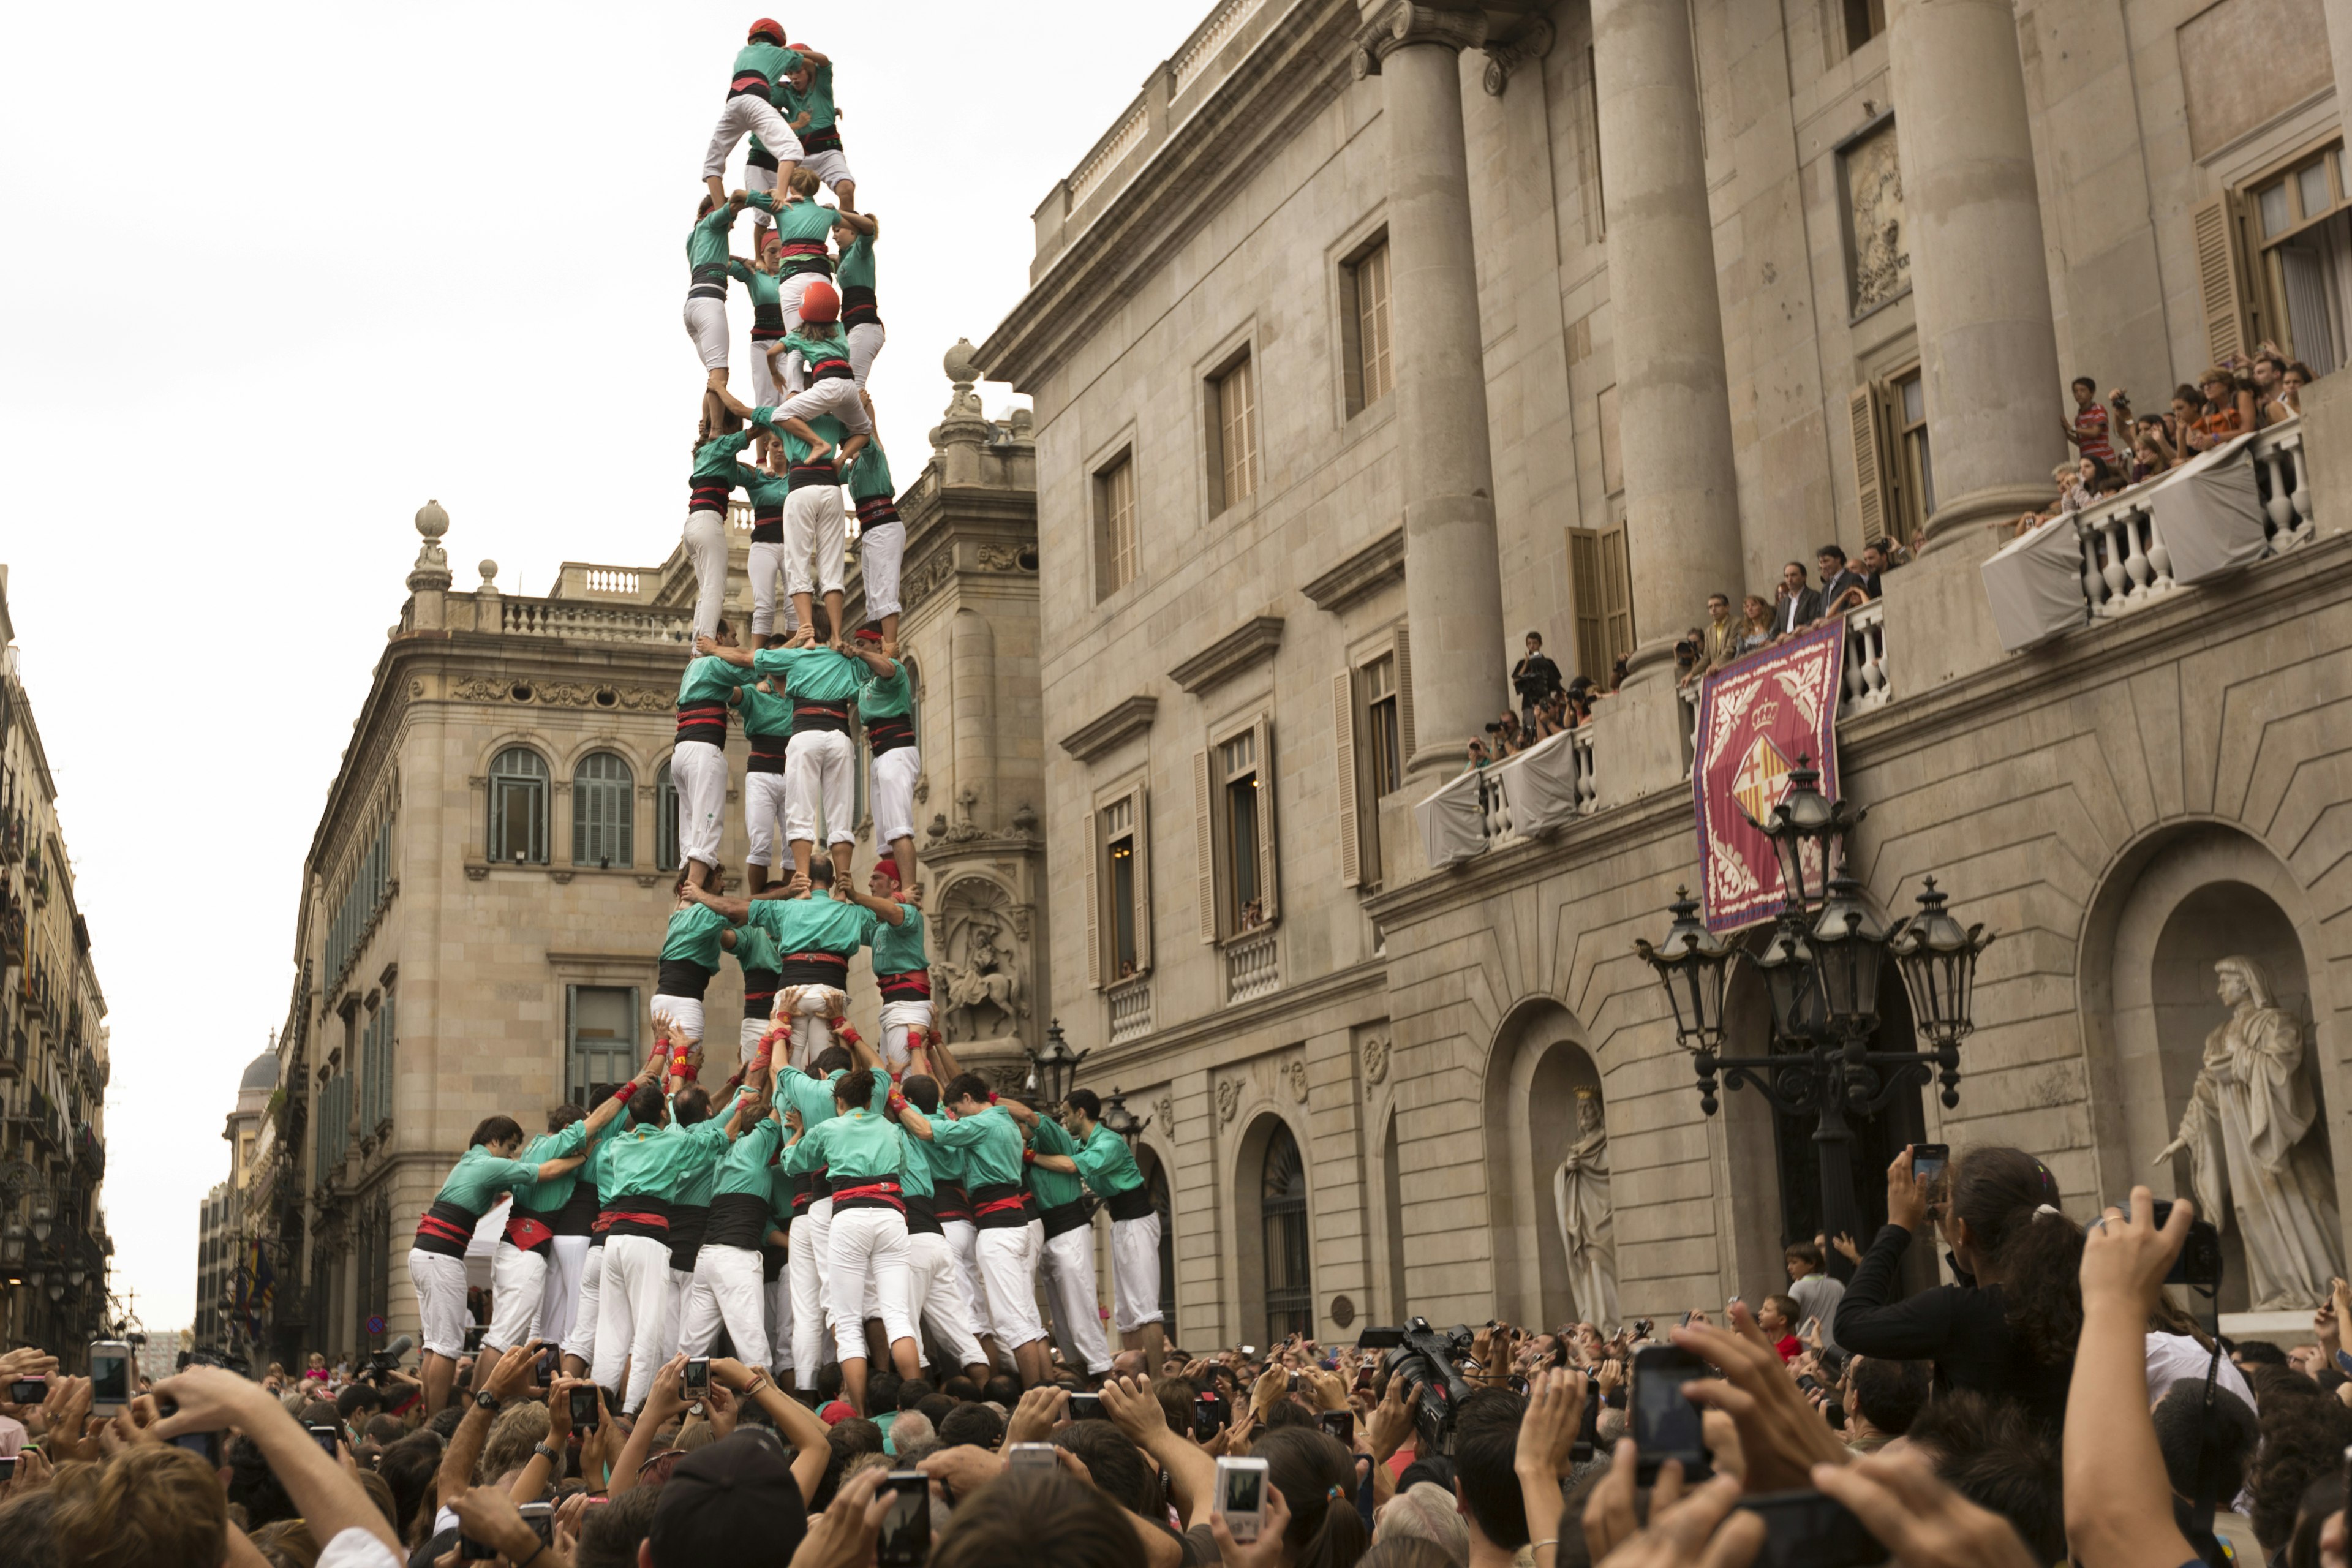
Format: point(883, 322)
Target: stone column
point(1979, 280)
point(2339, 46)
point(1674, 408)
point(1454, 582)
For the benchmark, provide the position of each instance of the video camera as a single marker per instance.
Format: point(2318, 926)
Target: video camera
point(1420, 1354)
point(387, 1359)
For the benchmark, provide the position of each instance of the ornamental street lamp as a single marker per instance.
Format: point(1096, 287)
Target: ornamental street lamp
point(44, 1221)
point(1120, 1120)
point(1821, 970)
point(1054, 1069)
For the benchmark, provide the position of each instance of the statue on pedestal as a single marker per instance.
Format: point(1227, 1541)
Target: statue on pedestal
point(2252, 1159)
point(1579, 1191)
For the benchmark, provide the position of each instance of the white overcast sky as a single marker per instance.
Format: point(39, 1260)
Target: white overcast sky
point(276, 273)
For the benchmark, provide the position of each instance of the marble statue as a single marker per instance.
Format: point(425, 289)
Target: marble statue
point(2247, 1132)
point(1579, 1191)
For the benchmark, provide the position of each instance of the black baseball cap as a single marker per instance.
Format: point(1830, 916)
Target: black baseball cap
point(733, 1502)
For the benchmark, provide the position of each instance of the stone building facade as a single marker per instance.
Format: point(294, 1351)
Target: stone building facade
point(224, 1321)
point(1373, 335)
point(54, 1053)
point(487, 890)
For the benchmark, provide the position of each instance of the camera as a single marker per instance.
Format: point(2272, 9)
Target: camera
point(1494, 729)
point(2200, 1263)
point(1420, 1354)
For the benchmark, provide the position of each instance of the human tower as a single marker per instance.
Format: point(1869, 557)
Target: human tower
point(836, 1201)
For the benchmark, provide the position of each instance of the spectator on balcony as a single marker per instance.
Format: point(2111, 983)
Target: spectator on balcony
point(2087, 430)
point(1755, 624)
point(2151, 453)
point(1718, 639)
point(2228, 411)
point(1476, 757)
point(1535, 676)
point(1799, 606)
point(1838, 579)
point(1864, 583)
point(2298, 376)
point(1509, 740)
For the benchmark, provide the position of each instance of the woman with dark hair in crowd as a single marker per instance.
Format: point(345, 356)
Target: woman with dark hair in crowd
point(1317, 1478)
point(2007, 1330)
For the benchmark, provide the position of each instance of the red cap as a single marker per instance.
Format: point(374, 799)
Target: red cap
point(869, 634)
point(820, 303)
point(888, 866)
point(770, 25)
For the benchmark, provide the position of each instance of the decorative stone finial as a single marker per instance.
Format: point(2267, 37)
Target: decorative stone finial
point(489, 571)
point(1022, 423)
point(962, 364)
point(431, 520)
point(964, 425)
point(432, 568)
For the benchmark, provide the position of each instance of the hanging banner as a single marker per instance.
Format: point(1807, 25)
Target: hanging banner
point(1756, 720)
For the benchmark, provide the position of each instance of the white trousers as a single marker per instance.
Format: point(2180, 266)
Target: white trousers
point(819, 771)
point(769, 561)
point(750, 114)
point(706, 323)
point(1008, 1278)
point(779, 1294)
point(807, 1264)
point(581, 1341)
point(440, 1281)
point(935, 1297)
point(1135, 1272)
point(964, 1240)
point(903, 1023)
point(815, 529)
point(834, 394)
point(631, 1310)
point(699, 769)
point(705, 541)
point(865, 342)
point(756, 178)
point(683, 1015)
point(726, 1289)
point(892, 775)
point(810, 1009)
point(788, 294)
point(867, 1250)
point(560, 1295)
point(880, 551)
point(766, 391)
point(1070, 1277)
point(829, 166)
point(681, 1285)
point(764, 802)
point(517, 1287)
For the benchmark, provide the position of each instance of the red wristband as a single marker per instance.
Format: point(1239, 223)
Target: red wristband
point(992, 1097)
point(1028, 1156)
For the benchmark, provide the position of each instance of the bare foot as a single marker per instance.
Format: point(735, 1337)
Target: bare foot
point(800, 886)
point(804, 638)
point(820, 449)
point(840, 893)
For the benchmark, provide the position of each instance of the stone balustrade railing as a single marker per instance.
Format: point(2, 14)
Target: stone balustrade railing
point(1130, 1010)
point(2127, 565)
point(593, 623)
point(1252, 966)
point(1541, 790)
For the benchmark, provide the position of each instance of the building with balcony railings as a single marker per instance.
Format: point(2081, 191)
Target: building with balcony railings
point(234, 1300)
point(1373, 335)
point(54, 1052)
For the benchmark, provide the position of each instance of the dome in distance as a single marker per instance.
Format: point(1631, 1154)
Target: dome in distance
point(261, 1072)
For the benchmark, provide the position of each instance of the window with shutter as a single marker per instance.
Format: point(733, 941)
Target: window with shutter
point(1616, 595)
point(1404, 691)
point(1584, 584)
point(1862, 412)
point(1343, 746)
point(1094, 920)
point(2220, 282)
point(1116, 911)
point(1269, 872)
point(1205, 846)
point(1140, 894)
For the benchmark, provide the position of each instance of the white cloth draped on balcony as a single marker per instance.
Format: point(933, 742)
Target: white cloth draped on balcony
point(2034, 584)
point(1541, 783)
point(2210, 515)
point(1452, 820)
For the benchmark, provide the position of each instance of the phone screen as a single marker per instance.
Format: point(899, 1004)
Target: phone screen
point(109, 1376)
point(1929, 1160)
point(1242, 1490)
point(325, 1437)
point(1341, 1423)
point(207, 1446)
point(1086, 1407)
point(698, 1372)
point(582, 1402)
point(540, 1517)
point(1665, 1424)
point(906, 1537)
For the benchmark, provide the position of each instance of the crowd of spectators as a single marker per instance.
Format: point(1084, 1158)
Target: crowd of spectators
point(2050, 1406)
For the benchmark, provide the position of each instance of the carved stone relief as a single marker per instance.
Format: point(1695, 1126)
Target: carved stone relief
point(1874, 215)
point(980, 964)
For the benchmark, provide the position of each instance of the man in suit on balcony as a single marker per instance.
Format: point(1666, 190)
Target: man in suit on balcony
point(1799, 605)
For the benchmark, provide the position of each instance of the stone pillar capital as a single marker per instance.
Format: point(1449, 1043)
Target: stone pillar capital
point(1533, 44)
point(1401, 24)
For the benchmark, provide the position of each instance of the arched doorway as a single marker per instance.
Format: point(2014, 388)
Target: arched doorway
point(1276, 1251)
point(1540, 1067)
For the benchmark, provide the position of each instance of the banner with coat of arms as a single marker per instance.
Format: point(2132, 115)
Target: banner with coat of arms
point(1756, 720)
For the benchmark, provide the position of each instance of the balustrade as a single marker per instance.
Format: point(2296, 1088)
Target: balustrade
point(1252, 967)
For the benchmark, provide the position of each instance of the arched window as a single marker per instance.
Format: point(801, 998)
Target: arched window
point(665, 820)
point(602, 832)
point(519, 807)
point(1282, 1204)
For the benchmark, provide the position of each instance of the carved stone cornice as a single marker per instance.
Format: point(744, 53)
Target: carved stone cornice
point(1405, 23)
point(1252, 640)
point(1534, 42)
point(1360, 575)
point(1132, 716)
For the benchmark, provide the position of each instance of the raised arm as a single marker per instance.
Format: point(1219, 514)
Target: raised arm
point(796, 1422)
point(2118, 1503)
point(735, 911)
point(1061, 1163)
point(551, 1169)
point(889, 910)
point(213, 1399)
point(865, 223)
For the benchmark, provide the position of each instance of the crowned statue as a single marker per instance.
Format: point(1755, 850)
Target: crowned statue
point(1579, 1191)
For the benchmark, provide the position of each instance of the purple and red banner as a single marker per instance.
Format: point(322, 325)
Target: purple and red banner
point(1755, 721)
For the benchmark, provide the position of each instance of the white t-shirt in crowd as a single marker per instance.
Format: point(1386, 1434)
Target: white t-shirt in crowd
point(357, 1548)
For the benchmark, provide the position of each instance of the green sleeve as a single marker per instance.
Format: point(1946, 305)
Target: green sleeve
point(808, 1154)
point(1052, 1139)
point(735, 269)
point(958, 1134)
point(1091, 1166)
point(509, 1173)
point(719, 220)
point(572, 1140)
point(764, 200)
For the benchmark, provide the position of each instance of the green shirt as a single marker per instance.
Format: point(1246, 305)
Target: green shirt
point(763, 487)
point(856, 267)
point(770, 62)
point(1106, 1163)
point(898, 949)
point(887, 696)
point(943, 1165)
point(853, 1148)
point(655, 1162)
point(1053, 1188)
point(796, 217)
point(812, 674)
point(745, 1167)
point(761, 286)
point(715, 458)
point(818, 923)
point(479, 1177)
point(817, 100)
point(755, 949)
point(870, 474)
point(813, 346)
point(706, 244)
point(914, 1169)
point(990, 1144)
point(709, 679)
point(694, 936)
point(766, 713)
point(546, 1197)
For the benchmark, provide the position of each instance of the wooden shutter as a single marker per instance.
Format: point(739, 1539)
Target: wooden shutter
point(1269, 877)
point(1204, 844)
point(1142, 878)
point(1865, 412)
point(1343, 745)
point(1093, 916)
point(1616, 598)
point(1584, 585)
point(2220, 281)
point(1404, 692)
